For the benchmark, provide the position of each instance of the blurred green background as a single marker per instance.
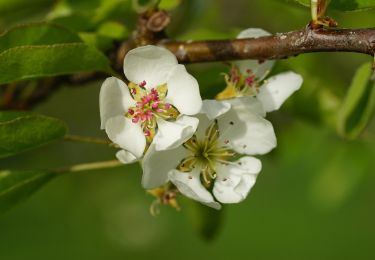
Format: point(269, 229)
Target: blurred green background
point(314, 198)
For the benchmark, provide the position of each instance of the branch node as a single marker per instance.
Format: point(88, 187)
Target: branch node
point(158, 21)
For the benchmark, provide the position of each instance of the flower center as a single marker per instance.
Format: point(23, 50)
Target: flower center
point(205, 154)
point(239, 84)
point(150, 105)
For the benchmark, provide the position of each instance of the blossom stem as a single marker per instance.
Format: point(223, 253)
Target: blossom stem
point(314, 10)
point(90, 166)
point(86, 139)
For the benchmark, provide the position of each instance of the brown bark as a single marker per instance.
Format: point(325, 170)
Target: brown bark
point(279, 46)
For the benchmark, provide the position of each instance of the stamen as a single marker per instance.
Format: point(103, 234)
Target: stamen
point(149, 105)
point(206, 154)
point(236, 79)
point(249, 81)
point(142, 84)
point(155, 105)
point(187, 164)
point(139, 105)
point(192, 144)
point(147, 133)
point(135, 119)
point(225, 162)
point(205, 178)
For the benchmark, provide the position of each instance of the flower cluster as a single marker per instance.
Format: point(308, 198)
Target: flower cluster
point(202, 149)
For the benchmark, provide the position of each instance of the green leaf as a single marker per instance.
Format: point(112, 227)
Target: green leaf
point(87, 16)
point(101, 42)
point(20, 132)
point(359, 103)
point(10, 115)
point(345, 5)
point(76, 22)
point(205, 220)
point(352, 5)
point(169, 4)
point(304, 2)
point(119, 10)
point(17, 186)
point(141, 6)
point(22, 11)
point(36, 34)
point(28, 62)
point(113, 30)
point(15, 5)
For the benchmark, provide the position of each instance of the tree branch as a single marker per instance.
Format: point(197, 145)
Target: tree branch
point(90, 166)
point(279, 46)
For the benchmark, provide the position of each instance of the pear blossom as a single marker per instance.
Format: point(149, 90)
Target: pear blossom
point(216, 164)
point(247, 78)
point(154, 107)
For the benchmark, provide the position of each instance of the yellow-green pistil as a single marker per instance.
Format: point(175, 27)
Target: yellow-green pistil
point(205, 154)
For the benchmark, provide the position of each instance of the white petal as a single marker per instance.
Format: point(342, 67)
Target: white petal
point(183, 91)
point(189, 184)
point(213, 109)
point(114, 99)
point(250, 165)
point(157, 164)
point(149, 63)
point(234, 182)
point(173, 134)
point(244, 131)
point(260, 69)
point(126, 157)
point(278, 88)
point(250, 104)
point(204, 123)
point(128, 135)
point(214, 205)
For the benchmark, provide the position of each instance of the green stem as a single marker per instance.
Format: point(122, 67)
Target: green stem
point(85, 139)
point(90, 166)
point(314, 10)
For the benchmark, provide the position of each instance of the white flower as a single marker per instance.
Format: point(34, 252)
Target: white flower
point(217, 156)
point(159, 98)
point(247, 79)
